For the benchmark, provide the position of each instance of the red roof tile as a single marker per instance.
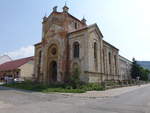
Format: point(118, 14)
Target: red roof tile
point(14, 64)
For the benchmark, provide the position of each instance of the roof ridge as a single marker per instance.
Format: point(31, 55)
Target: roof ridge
point(68, 15)
point(19, 59)
point(15, 64)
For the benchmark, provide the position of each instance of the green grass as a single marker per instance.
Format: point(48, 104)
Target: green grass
point(63, 88)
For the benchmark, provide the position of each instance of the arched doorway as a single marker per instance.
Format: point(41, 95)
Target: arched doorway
point(52, 63)
point(53, 69)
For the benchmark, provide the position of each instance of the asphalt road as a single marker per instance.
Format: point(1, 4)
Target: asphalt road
point(14, 101)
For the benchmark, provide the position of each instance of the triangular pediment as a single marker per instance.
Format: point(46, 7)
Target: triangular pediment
point(96, 30)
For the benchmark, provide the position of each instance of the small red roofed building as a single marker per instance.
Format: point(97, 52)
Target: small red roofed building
point(20, 68)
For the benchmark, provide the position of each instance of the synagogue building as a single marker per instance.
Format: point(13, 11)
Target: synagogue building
point(68, 43)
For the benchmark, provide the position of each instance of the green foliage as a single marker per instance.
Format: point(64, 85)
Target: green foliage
point(63, 88)
point(74, 85)
point(144, 74)
point(27, 86)
point(92, 86)
point(74, 80)
point(45, 88)
point(137, 70)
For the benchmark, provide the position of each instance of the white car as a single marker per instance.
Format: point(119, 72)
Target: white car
point(18, 80)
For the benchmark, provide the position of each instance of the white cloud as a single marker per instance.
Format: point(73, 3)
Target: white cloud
point(22, 52)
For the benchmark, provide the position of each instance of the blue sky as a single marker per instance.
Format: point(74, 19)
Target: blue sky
point(124, 23)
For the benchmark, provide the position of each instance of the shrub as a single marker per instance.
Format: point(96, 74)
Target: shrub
point(75, 87)
point(92, 86)
point(63, 90)
point(74, 79)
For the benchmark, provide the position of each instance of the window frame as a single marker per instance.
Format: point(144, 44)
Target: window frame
point(76, 49)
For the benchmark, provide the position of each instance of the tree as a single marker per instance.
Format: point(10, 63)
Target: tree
point(144, 74)
point(138, 71)
point(135, 70)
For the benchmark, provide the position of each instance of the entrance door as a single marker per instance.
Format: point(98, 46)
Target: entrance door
point(53, 71)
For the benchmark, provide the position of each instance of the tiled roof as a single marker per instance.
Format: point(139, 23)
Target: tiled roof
point(14, 64)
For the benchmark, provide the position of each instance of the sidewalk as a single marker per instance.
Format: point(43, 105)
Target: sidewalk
point(107, 93)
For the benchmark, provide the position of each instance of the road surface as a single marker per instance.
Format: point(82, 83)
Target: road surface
point(132, 101)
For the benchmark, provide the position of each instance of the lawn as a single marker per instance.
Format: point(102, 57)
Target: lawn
point(63, 88)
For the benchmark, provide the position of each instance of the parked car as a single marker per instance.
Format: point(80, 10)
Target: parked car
point(18, 80)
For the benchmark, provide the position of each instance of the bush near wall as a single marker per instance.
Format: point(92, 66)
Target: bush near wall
point(63, 88)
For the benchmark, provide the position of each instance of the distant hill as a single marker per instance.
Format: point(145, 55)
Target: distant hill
point(144, 64)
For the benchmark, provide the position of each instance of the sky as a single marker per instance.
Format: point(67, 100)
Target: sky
point(124, 23)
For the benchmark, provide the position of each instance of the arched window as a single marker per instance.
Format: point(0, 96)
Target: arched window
point(40, 55)
point(110, 62)
point(109, 58)
point(75, 25)
point(95, 55)
point(39, 64)
point(115, 59)
point(76, 50)
point(104, 63)
point(95, 50)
